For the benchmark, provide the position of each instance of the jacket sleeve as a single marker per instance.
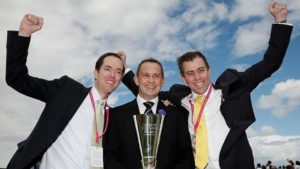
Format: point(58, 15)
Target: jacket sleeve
point(17, 75)
point(272, 60)
point(129, 83)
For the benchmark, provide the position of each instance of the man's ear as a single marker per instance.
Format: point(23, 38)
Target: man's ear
point(136, 81)
point(95, 74)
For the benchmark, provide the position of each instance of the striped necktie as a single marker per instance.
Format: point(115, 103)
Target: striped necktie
point(148, 106)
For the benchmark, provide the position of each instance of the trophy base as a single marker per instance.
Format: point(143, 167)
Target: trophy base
point(149, 163)
point(149, 167)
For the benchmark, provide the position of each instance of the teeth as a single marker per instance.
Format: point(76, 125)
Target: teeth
point(150, 87)
point(199, 83)
point(110, 82)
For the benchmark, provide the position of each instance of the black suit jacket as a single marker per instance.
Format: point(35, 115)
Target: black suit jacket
point(236, 106)
point(122, 149)
point(62, 97)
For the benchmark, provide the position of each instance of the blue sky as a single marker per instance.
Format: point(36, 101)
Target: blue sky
point(232, 34)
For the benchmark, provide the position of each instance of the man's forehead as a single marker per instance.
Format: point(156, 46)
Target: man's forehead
point(112, 61)
point(111, 58)
point(196, 63)
point(148, 66)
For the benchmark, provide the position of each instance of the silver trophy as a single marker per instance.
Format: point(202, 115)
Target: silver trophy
point(148, 129)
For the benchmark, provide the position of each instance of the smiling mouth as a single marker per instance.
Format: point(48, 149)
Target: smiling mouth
point(151, 87)
point(199, 84)
point(110, 82)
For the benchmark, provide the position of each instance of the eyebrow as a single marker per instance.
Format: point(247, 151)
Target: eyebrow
point(150, 73)
point(108, 66)
point(201, 67)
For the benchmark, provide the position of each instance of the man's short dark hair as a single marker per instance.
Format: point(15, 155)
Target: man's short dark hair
point(190, 56)
point(100, 61)
point(151, 60)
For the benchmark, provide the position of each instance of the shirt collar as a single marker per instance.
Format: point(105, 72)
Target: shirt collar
point(96, 95)
point(141, 106)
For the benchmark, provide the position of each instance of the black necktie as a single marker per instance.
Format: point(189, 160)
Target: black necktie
point(148, 106)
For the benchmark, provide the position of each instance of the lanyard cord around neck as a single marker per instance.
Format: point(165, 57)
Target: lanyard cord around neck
point(196, 123)
point(98, 136)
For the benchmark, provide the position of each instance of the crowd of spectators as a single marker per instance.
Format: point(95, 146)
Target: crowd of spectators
point(289, 165)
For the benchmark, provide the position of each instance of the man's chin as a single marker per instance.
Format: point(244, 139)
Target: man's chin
point(199, 91)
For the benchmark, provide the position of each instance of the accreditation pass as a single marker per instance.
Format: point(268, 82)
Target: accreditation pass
point(96, 156)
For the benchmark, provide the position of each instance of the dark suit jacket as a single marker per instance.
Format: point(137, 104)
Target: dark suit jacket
point(236, 106)
point(122, 149)
point(62, 97)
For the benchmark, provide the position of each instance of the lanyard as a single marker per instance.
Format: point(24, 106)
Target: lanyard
point(196, 123)
point(98, 136)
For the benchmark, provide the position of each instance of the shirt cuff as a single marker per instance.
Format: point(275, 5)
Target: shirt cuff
point(126, 71)
point(289, 24)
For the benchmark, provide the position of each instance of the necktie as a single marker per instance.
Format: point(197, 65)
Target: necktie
point(99, 120)
point(98, 125)
point(148, 106)
point(201, 147)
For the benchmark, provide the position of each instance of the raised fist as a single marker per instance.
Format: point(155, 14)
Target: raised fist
point(122, 54)
point(279, 11)
point(30, 24)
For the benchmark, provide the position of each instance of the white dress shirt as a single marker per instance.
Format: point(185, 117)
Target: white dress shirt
point(215, 125)
point(71, 150)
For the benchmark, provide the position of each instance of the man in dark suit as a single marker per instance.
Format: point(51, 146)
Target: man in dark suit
point(66, 132)
point(228, 110)
point(122, 149)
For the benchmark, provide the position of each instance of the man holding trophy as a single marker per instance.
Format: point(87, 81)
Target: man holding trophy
point(139, 138)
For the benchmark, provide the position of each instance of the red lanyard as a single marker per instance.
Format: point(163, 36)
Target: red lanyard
point(106, 120)
point(196, 124)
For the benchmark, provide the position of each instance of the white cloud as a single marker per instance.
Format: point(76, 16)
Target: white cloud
point(114, 97)
point(265, 130)
point(275, 148)
point(17, 110)
point(251, 38)
point(267, 145)
point(169, 74)
point(284, 98)
point(205, 38)
point(18, 116)
point(293, 15)
point(243, 10)
point(204, 12)
point(79, 31)
point(202, 18)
